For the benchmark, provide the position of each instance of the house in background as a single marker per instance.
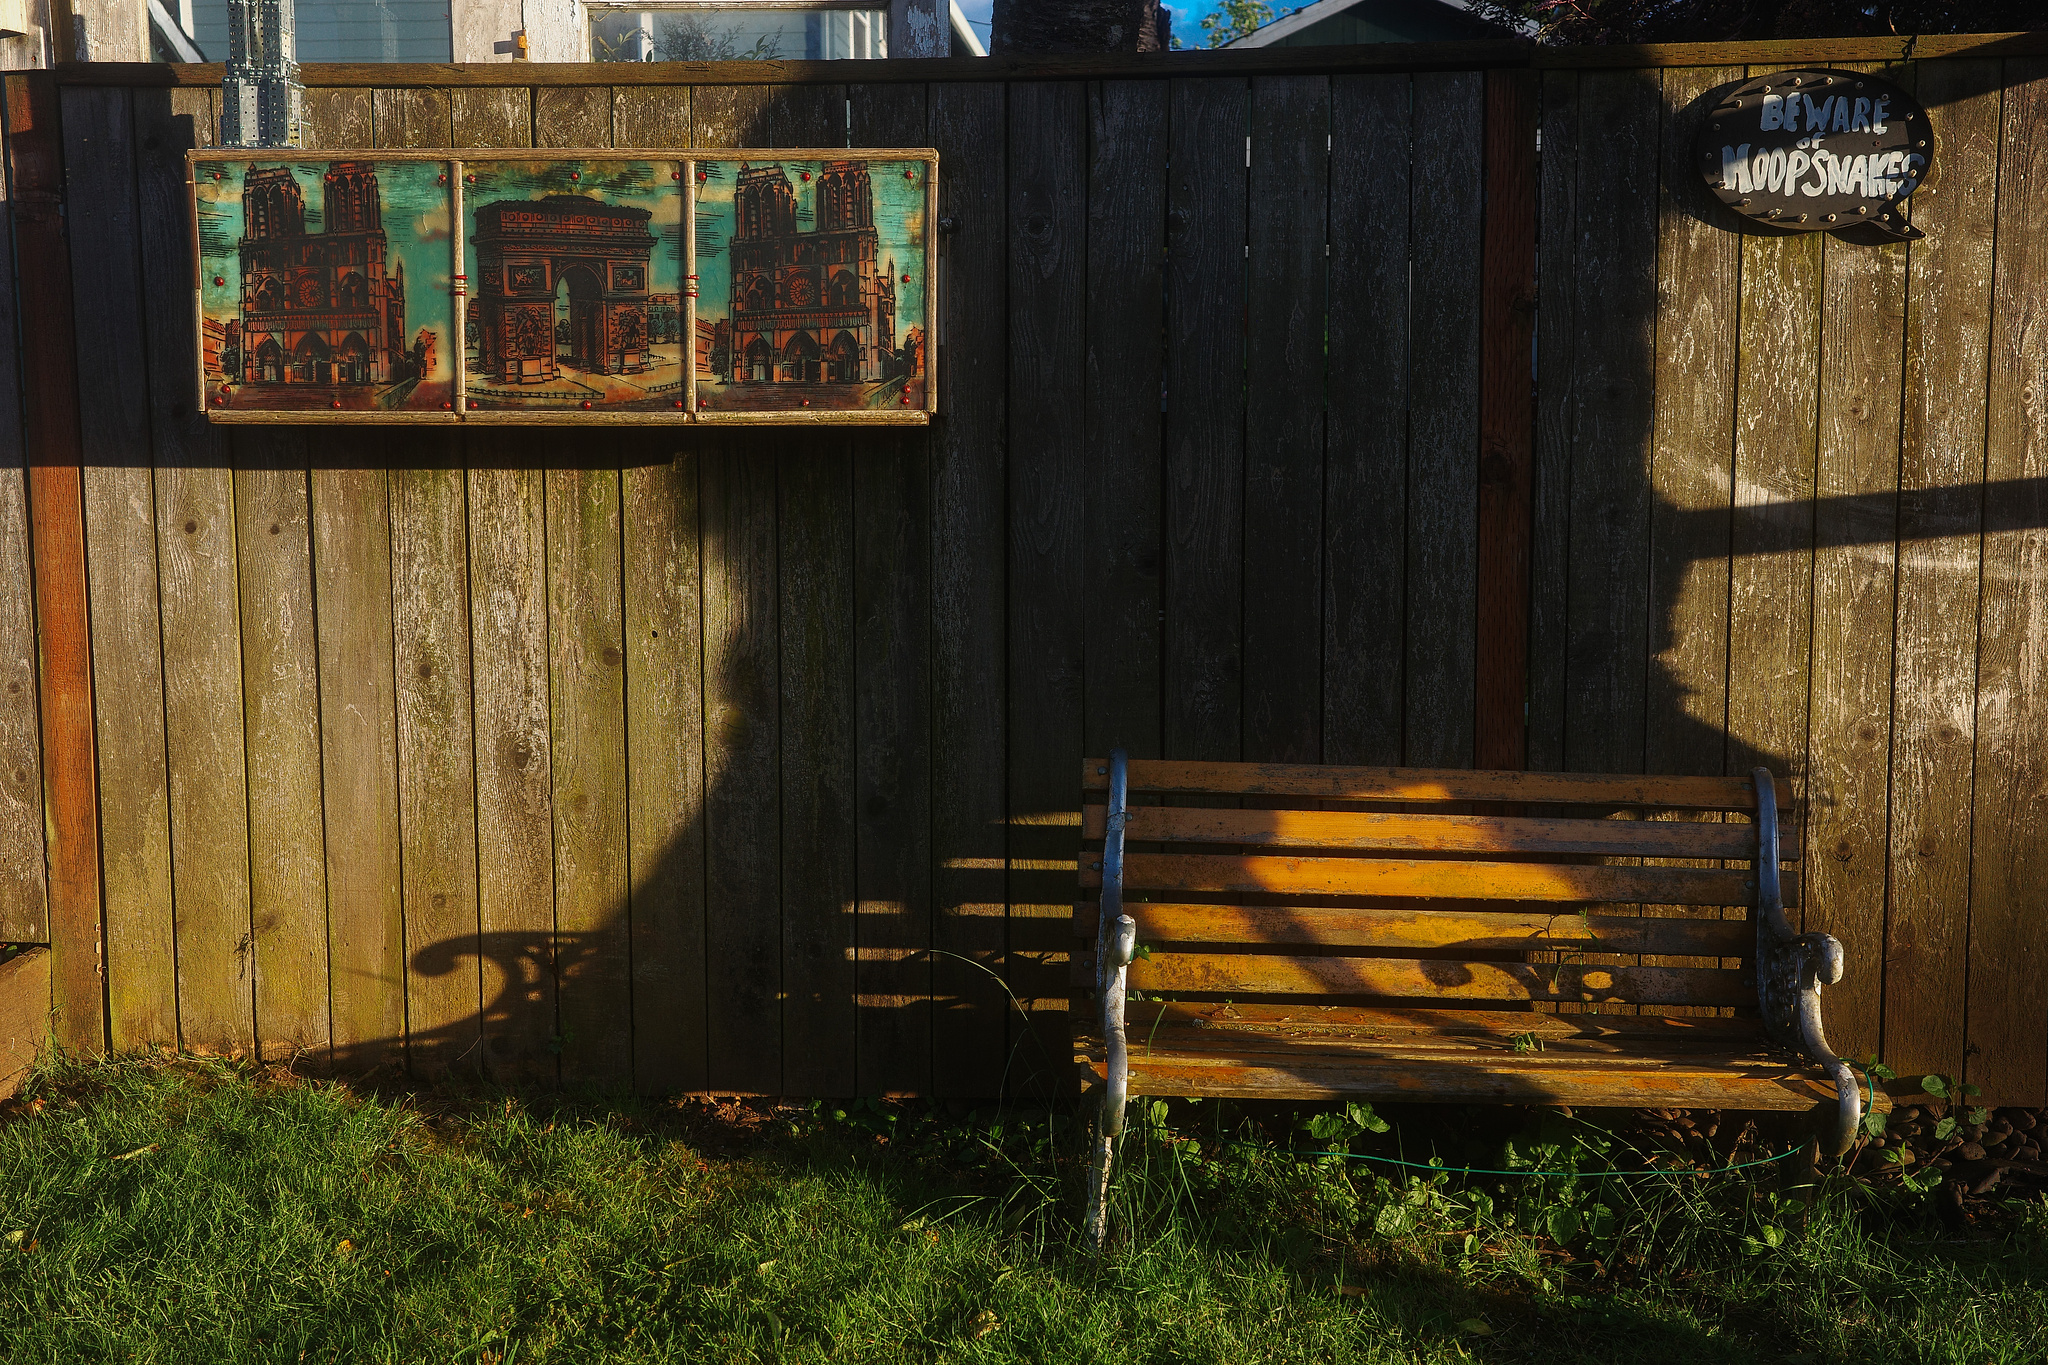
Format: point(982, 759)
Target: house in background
point(49, 31)
point(1338, 22)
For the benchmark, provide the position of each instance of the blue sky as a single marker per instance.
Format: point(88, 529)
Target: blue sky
point(1187, 19)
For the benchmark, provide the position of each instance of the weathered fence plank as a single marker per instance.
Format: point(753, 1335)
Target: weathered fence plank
point(1286, 273)
point(1863, 303)
point(351, 511)
point(24, 888)
point(515, 833)
point(1047, 510)
point(664, 762)
point(121, 568)
point(430, 667)
point(286, 948)
point(1205, 414)
point(969, 471)
point(892, 702)
point(1366, 423)
point(2007, 1014)
point(1443, 420)
point(1941, 458)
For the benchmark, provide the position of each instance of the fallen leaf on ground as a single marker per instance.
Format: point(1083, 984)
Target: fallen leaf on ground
point(1476, 1326)
point(984, 1322)
point(139, 1151)
point(1351, 1291)
point(767, 1265)
point(345, 1248)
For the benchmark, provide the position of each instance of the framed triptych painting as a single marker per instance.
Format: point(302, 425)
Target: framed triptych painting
point(706, 286)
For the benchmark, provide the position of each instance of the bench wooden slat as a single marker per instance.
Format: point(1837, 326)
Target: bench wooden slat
point(1611, 1051)
point(1432, 833)
point(1506, 930)
point(1424, 879)
point(1335, 783)
point(1702, 1083)
point(1409, 1022)
point(1261, 974)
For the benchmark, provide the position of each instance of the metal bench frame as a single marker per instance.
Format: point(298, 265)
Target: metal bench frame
point(1791, 968)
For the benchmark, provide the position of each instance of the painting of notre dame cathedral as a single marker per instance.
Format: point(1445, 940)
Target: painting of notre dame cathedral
point(812, 284)
point(325, 285)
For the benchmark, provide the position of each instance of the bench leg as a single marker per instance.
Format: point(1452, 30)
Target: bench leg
point(1116, 941)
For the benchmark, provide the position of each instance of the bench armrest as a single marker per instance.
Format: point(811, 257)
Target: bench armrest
point(1790, 970)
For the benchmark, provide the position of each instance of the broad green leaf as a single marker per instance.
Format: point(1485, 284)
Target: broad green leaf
point(1935, 1086)
point(1945, 1129)
point(1394, 1220)
point(1562, 1224)
point(1980, 1116)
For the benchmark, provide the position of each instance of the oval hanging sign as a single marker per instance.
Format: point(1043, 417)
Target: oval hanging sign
point(1814, 150)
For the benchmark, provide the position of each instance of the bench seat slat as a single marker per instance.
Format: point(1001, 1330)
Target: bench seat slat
point(1425, 879)
point(1611, 1051)
point(1507, 930)
point(1688, 1083)
point(1432, 833)
point(1260, 974)
point(1422, 785)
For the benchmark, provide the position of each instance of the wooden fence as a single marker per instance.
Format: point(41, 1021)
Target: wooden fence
point(747, 761)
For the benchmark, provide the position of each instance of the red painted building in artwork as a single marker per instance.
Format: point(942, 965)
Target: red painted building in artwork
point(597, 254)
point(809, 307)
point(317, 308)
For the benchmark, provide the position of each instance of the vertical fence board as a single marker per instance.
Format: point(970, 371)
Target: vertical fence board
point(1698, 297)
point(142, 965)
point(1126, 301)
point(2008, 1013)
point(1205, 438)
point(436, 754)
point(742, 739)
point(1286, 272)
point(1443, 458)
point(1611, 416)
point(969, 464)
point(1771, 574)
point(358, 750)
point(1506, 458)
point(24, 887)
point(1855, 528)
point(1048, 494)
point(1557, 388)
point(1366, 465)
point(514, 757)
point(586, 647)
point(743, 887)
point(892, 775)
point(1940, 548)
point(814, 560)
point(287, 944)
point(121, 569)
point(665, 763)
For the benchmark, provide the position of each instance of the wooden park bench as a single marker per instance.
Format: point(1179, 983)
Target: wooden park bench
point(1273, 931)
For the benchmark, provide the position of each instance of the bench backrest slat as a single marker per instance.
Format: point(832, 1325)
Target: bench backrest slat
point(1431, 833)
point(1427, 785)
point(1474, 930)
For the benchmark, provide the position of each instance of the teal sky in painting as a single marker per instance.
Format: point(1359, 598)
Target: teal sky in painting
point(415, 232)
point(899, 222)
point(649, 185)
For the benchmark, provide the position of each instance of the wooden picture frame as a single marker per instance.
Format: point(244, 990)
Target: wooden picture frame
point(562, 286)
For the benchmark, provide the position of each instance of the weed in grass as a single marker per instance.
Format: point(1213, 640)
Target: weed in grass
point(202, 1211)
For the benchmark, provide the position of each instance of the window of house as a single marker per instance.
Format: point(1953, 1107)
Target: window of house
point(728, 32)
point(342, 30)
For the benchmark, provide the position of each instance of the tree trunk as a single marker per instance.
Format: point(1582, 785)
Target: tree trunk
point(1078, 26)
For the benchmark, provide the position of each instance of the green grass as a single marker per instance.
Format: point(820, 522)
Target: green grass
point(196, 1211)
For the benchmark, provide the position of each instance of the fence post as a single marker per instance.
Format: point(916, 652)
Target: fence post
point(1507, 315)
